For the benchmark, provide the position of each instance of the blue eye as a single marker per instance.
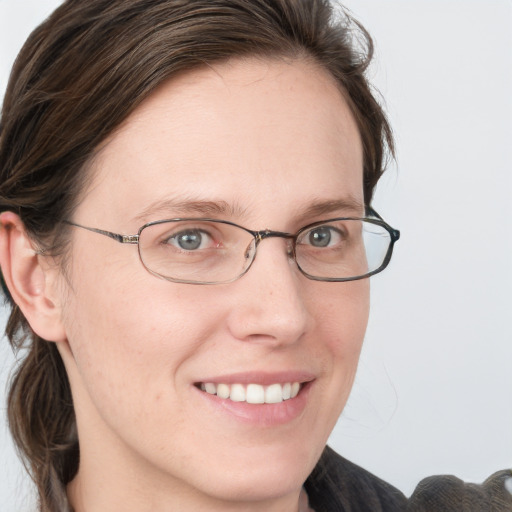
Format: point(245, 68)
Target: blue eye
point(323, 236)
point(191, 240)
point(320, 237)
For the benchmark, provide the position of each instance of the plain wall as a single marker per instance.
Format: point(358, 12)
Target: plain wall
point(433, 392)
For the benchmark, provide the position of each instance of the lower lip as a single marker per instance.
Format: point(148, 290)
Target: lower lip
point(264, 415)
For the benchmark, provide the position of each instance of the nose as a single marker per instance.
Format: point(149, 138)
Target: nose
point(270, 303)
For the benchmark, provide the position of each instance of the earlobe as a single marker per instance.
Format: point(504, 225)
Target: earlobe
point(27, 281)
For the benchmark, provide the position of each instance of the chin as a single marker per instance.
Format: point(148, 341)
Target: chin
point(262, 472)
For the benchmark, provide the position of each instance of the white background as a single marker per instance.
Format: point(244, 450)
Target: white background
point(433, 393)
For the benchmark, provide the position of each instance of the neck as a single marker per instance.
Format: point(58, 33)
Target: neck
point(85, 495)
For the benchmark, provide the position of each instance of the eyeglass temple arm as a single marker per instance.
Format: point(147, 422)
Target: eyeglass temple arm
point(123, 239)
point(372, 213)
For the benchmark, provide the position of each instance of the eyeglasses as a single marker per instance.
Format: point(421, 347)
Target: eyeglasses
point(212, 251)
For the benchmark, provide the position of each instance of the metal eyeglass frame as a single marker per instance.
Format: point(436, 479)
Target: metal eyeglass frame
point(258, 236)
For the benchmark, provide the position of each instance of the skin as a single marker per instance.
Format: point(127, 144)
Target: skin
point(268, 138)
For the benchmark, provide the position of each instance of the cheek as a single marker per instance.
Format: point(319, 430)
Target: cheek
point(343, 315)
point(343, 320)
point(132, 326)
point(130, 356)
point(123, 333)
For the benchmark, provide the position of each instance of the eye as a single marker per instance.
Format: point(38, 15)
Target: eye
point(191, 240)
point(323, 236)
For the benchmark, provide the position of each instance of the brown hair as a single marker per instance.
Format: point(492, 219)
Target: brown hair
point(79, 75)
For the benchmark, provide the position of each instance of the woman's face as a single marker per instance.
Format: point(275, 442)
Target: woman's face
point(265, 144)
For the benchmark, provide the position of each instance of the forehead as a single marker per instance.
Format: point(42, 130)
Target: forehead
point(264, 134)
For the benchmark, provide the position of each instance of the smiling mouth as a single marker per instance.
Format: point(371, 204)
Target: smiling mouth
point(253, 393)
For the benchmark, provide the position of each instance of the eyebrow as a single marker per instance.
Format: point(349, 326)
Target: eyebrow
point(346, 206)
point(183, 207)
point(170, 208)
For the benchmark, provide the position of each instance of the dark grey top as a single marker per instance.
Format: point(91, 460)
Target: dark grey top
point(337, 485)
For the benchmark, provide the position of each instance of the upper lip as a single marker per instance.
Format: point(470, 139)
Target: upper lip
point(262, 378)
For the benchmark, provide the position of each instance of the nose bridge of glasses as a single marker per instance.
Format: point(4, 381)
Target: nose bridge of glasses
point(268, 233)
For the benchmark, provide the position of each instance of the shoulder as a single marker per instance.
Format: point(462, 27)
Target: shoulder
point(447, 493)
point(338, 485)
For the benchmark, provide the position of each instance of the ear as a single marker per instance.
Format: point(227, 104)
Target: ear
point(31, 285)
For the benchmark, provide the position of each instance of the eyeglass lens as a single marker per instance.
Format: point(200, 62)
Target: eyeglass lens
point(199, 251)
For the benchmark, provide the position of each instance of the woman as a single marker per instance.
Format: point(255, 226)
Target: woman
point(237, 144)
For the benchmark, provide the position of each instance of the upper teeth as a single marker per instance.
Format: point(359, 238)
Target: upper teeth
point(253, 393)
